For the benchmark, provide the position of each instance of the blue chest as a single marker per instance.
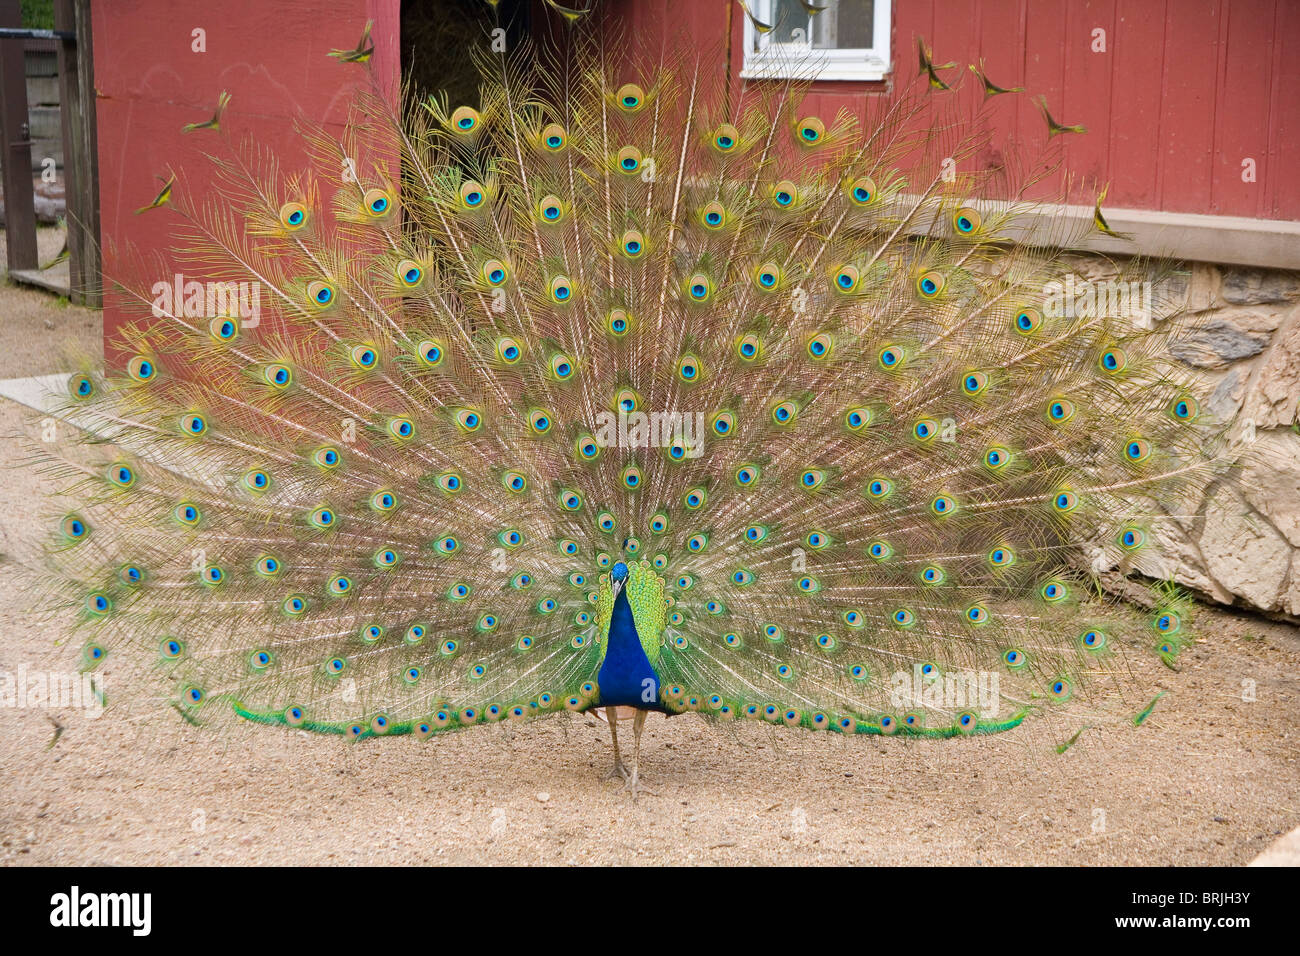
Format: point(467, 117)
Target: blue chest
point(626, 676)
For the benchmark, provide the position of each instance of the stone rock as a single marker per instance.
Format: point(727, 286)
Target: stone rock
point(1226, 397)
point(1243, 552)
point(1271, 481)
point(1217, 344)
point(1274, 390)
point(1253, 286)
point(1291, 604)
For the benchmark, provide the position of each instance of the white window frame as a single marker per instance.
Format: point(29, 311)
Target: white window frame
point(765, 60)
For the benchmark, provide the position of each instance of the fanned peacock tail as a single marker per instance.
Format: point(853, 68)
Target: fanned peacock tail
point(779, 381)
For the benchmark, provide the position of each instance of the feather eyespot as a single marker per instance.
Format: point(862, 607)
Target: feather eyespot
point(629, 160)
point(820, 346)
point(561, 289)
point(974, 383)
point(858, 418)
point(1131, 538)
point(725, 138)
point(943, 505)
point(321, 294)
point(880, 487)
point(587, 447)
point(1113, 361)
point(551, 209)
point(699, 287)
point(468, 420)
point(891, 357)
point(473, 195)
point(553, 137)
point(121, 474)
point(141, 369)
point(1137, 450)
point(785, 413)
point(1184, 409)
point(377, 202)
point(811, 131)
point(996, 458)
point(1092, 640)
point(1065, 501)
point(930, 284)
point(465, 119)
point(224, 328)
point(966, 221)
point(430, 353)
point(925, 429)
point(81, 387)
point(749, 347)
point(862, 191)
point(326, 457)
point(1028, 321)
point(629, 97)
point(1060, 410)
point(509, 350)
point(618, 322)
point(293, 215)
point(278, 376)
point(1001, 557)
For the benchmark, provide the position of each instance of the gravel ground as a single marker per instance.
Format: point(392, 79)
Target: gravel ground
point(1209, 778)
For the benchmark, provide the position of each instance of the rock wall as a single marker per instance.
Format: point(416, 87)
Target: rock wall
point(1240, 544)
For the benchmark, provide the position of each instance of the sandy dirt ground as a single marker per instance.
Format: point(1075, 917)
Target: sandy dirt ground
point(1211, 778)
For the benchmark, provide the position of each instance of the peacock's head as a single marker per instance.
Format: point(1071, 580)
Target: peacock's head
point(619, 572)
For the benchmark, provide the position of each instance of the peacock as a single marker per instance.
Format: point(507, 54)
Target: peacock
point(624, 387)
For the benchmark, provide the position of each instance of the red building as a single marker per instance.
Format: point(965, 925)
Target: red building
point(1192, 107)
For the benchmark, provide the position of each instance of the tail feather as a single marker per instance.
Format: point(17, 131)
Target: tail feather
point(790, 364)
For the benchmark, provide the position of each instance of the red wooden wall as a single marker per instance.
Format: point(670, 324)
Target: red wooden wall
point(149, 82)
point(1186, 90)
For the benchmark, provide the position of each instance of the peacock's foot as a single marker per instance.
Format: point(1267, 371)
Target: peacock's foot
point(634, 785)
point(618, 771)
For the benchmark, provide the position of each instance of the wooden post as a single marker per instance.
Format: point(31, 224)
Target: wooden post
point(80, 151)
point(16, 146)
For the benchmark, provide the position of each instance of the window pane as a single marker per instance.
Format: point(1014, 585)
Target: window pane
point(844, 25)
point(789, 17)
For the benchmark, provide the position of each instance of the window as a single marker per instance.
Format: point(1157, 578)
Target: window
point(846, 40)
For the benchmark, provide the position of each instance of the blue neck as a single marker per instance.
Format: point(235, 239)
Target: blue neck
point(626, 669)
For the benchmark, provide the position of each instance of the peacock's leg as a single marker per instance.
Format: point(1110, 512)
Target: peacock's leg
point(638, 724)
point(611, 715)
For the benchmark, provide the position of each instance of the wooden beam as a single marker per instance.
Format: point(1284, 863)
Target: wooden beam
point(16, 146)
point(80, 151)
